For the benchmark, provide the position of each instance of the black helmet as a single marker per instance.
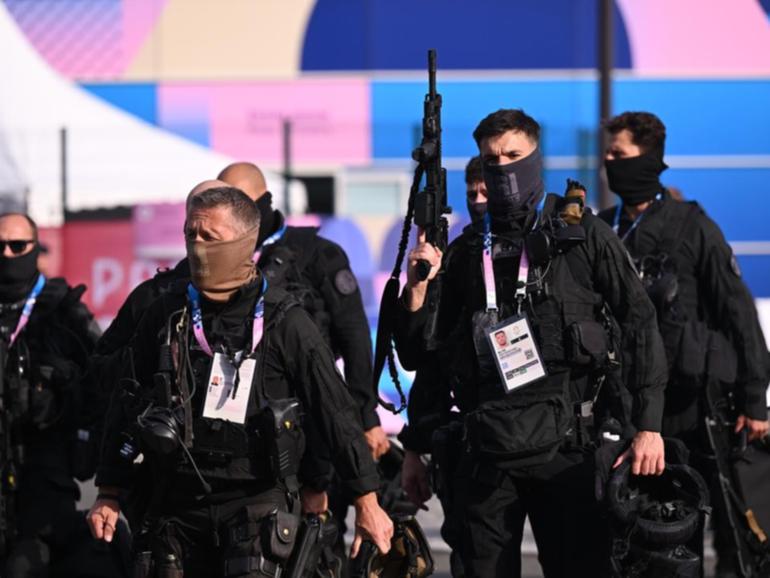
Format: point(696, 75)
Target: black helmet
point(393, 498)
point(663, 510)
point(409, 556)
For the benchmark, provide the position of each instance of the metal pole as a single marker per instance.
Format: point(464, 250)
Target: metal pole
point(63, 170)
point(286, 163)
point(606, 61)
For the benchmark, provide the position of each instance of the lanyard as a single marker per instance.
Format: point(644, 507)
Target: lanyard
point(634, 225)
point(274, 238)
point(257, 326)
point(29, 305)
point(489, 272)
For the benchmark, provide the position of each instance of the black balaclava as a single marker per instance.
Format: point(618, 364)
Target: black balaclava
point(266, 217)
point(17, 275)
point(476, 210)
point(514, 189)
point(636, 180)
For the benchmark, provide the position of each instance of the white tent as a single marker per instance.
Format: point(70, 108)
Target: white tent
point(113, 157)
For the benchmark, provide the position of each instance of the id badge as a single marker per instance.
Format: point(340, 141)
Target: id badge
point(223, 399)
point(515, 351)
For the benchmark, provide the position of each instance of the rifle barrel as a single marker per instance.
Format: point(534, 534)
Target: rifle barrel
point(432, 73)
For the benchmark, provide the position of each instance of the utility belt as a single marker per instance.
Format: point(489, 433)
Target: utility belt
point(527, 427)
point(254, 546)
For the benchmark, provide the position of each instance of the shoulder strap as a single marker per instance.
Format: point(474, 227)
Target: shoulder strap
point(674, 236)
point(302, 238)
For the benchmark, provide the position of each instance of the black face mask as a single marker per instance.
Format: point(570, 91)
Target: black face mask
point(17, 275)
point(476, 210)
point(636, 180)
point(266, 217)
point(514, 189)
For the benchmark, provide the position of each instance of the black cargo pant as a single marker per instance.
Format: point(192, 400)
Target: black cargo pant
point(570, 531)
point(53, 540)
point(247, 537)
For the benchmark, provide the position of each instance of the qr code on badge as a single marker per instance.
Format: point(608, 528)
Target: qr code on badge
point(528, 354)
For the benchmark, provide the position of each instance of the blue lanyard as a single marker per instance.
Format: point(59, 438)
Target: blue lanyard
point(29, 305)
point(274, 238)
point(635, 224)
point(257, 326)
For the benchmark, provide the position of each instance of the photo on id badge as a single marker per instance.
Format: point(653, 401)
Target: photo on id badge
point(516, 354)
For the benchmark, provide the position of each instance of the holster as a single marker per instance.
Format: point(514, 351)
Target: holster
point(280, 422)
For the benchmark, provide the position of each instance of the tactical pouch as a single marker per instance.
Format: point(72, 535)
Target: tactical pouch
point(587, 344)
point(446, 449)
point(524, 428)
point(260, 545)
point(279, 532)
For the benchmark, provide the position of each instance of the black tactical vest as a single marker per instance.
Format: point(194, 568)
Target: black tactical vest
point(574, 333)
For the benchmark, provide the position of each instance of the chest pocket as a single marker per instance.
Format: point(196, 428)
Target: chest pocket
point(567, 321)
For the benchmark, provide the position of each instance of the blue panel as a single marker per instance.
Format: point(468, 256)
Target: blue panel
point(714, 117)
point(735, 199)
point(566, 110)
point(756, 274)
point(703, 117)
point(468, 34)
point(139, 99)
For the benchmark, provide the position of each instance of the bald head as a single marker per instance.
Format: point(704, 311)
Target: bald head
point(246, 177)
point(205, 186)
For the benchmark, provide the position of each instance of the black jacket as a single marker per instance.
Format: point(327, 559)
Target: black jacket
point(602, 272)
point(710, 292)
point(296, 361)
point(49, 361)
point(325, 286)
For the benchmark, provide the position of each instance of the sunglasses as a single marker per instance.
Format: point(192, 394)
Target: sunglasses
point(17, 246)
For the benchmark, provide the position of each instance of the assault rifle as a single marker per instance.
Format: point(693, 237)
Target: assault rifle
point(427, 207)
point(430, 204)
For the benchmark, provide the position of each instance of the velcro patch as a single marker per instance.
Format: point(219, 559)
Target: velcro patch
point(734, 265)
point(345, 282)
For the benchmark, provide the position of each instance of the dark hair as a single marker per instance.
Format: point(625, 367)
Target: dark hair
point(474, 170)
point(647, 130)
point(32, 223)
point(504, 120)
point(243, 209)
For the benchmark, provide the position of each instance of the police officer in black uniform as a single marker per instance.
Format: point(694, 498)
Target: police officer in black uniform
point(223, 369)
point(317, 271)
point(705, 311)
point(564, 305)
point(313, 268)
point(433, 427)
point(48, 409)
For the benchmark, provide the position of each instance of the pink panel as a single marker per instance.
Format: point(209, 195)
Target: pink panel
point(331, 117)
point(698, 36)
point(139, 19)
point(158, 231)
